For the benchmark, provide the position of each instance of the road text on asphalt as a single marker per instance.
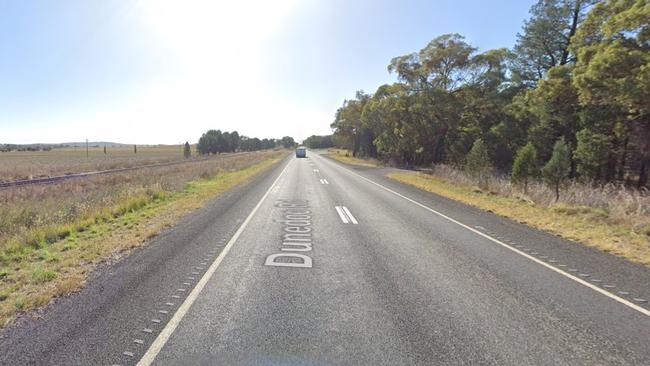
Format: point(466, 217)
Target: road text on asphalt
point(296, 235)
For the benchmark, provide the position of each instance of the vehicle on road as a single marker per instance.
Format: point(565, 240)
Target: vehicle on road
point(301, 152)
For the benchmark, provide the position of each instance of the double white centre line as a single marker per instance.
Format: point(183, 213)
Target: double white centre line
point(346, 215)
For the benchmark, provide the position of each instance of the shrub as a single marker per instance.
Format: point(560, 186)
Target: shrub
point(558, 167)
point(525, 165)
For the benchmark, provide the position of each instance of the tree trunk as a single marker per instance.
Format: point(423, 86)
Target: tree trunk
point(526, 185)
point(557, 191)
point(621, 170)
point(572, 31)
point(643, 173)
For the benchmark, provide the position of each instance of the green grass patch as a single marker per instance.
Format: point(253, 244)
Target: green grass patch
point(41, 276)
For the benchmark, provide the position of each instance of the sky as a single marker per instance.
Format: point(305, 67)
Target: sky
point(165, 71)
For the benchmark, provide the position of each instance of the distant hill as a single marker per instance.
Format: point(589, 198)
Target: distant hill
point(91, 143)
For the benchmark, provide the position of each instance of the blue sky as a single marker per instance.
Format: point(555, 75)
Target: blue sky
point(164, 71)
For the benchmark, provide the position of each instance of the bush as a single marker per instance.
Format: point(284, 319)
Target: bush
point(478, 164)
point(557, 169)
point(525, 165)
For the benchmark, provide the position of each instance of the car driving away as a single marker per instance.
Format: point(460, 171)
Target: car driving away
point(301, 152)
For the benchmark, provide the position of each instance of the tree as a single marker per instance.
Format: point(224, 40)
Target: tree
point(287, 142)
point(135, 149)
point(187, 151)
point(234, 141)
point(318, 142)
point(546, 38)
point(477, 163)
point(558, 167)
point(590, 154)
point(525, 165)
point(556, 110)
point(612, 74)
point(104, 149)
point(350, 126)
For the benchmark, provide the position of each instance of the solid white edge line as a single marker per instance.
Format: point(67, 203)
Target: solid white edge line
point(341, 214)
point(164, 335)
point(347, 212)
point(552, 268)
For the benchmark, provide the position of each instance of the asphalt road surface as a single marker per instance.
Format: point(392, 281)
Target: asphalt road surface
point(318, 263)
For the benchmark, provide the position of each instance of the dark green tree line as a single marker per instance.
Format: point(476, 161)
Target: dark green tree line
point(215, 141)
point(579, 73)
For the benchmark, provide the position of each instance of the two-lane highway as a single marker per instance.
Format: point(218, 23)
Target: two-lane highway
point(316, 263)
point(352, 273)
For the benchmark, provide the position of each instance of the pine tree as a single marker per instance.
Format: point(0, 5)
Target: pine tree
point(478, 163)
point(525, 165)
point(558, 168)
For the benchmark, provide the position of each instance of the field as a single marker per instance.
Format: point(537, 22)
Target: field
point(34, 164)
point(51, 236)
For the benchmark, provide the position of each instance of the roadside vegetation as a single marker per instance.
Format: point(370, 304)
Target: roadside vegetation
point(609, 218)
point(556, 130)
point(577, 74)
point(345, 156)
point(51, 236)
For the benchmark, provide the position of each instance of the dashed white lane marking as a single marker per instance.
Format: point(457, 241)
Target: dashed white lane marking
point(345, 215)
point(342, 214)
point(316, 170)
point(147, 330)
point(138, 341)
point(130, 354)
point(612, 296)
point(347, 212)
point(164, 335)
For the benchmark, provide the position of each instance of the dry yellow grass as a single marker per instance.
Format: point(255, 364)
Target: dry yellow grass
point(60, 161)
point(33, 279)
point(346, 157)
point(583, 224)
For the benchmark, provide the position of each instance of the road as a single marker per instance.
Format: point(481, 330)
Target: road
point(318, 263)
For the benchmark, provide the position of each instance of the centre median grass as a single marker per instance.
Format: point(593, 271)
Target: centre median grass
point(48, 254)
point(591, 226)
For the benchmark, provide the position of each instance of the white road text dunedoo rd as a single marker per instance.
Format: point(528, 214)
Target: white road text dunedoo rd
point(296, 235)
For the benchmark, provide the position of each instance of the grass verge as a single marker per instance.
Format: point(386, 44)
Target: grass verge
point(587, 225)
point(346, 157)
point(31, 277)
